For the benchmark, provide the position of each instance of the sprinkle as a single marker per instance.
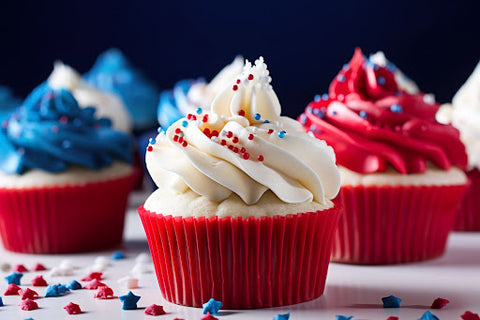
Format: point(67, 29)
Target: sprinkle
point(260, 158)
point(56, 290)
point(55, 129)
point(270, 131)
point(325, 96)
point(246, 156)
point(205, 118)
point(152, 141)
point(74, 285)
point(439, 303)
point(284, 316)
point(282, 134)
point(159, 130)
point(129, 301)
point(129, 282)
point(94, 284)
point(63, 120)
point(93, 275)
point(39, 267)
point(144, 257)
point(334, 112)
point(266, 121)
point(212, 306)
point(12, 290)
point(235, 87)
point(340, 317)
point(468, 315)
point(392, 318)
point(149, 148)
point(250, 136)
point(223, 142)
point(241, 113)
point(118, 255)
point(72, 308)
point(381, 80)
point(27, 294)
point(396, 108)
point(184, 144)
point(175, 138)
point(180, 139)
point(250, 76)
point(1, 302)
point(341, 78)
point(391, 302)
point(317, 98)
point(208, 316)
point(14, 278)
point(178, 130)
point(199, 110)
point(346, 67)
point(20, 268)
point(428, 316)
point(363, 114)
point(319, 113)
point(229, 134)
point(235, 139)
point(5, 267)
point(155, 310)
point(206, 131)
point(238, 81)
point(215, 133)
point(235, 149)
point(313, 128)
point(66, 144)
point(184, 123)
point(28, 305)
point(38, 281)
point(104, 293)
point(61, 271)
point(140, 268)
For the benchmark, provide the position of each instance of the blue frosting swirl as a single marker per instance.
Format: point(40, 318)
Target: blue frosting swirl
point(113, 73)
point(8, 102)
point(50, 131)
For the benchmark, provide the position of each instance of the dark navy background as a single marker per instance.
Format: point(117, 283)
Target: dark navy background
point(304, 43)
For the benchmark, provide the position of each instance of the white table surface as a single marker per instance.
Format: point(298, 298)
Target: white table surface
point(351, 290)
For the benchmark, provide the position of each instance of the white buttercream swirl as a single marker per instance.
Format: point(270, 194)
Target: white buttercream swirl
point(256, 149)
point(464, 114)
point(107, 105)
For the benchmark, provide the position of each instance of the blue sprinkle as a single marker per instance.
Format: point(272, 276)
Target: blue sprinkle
point(266, 121)
point(391, 302)
point(317, 98)
point(282, 134)
point(334, 112)
point(29, 319)
point(341, 78)
point(77, 122)
point(396, 108)
point(66, 144)
point(313, 128)
point(428, 316)
point(62, 289)
point(159, 130)
point(257, 116)
point(56, 290)
point(398, 94)
point(309, 109)
point(303, 118)
point(391, 67)
point(118, 255)
point(152, 140)
point(340, 317)
point(212, 306)
point(199, 111)
point(74, 285)
point(1, 302)
point(363, 114)
point(319, 113)
point(381, 80)
point(346, 67)
point(14, 278)
point(325, 96)
point(281, 316)
point(129, 301)
point(185, 123)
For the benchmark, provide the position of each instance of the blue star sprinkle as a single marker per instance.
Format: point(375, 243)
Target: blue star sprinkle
point(1, 302)
point(118, 255)
point(14, 278)
point(74, 285)
point(129, 301)
point(391, 302)
point(212, 306)
point(340, 317)
point(283, 316)
point(56, 290)
point(428, 316)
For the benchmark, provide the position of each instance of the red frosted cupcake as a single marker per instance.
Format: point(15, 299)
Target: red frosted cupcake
point(242, 214)
point(402, 172)
point(464, 114)
point(65, 176)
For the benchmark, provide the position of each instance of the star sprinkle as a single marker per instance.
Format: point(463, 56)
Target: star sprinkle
point(94, 284)
point(20, 268)
point(104, 293)
point(129, 282)
point(392, 318)
point(56, 290)
point(208, 316)
point(340, 317)
point(1, 302)
point(74, 285)
point(129, 301)
point(12, 290)
point(212, 306)
point(72, 308)
point(140, 268)
point(468, 315)
point(439, 303)
point(14, 278)
point(39, 267)
point(38, 281)
point(27, 294)
point(143, 258)
point(28, 305)
point(154, 310)
point(391, 302)
point(100, 264)
point(428, 316)
point(284, 316)
point(61, 271)
point(118, 255)
point(93, 275)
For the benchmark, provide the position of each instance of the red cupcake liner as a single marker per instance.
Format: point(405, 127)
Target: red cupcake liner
point(64, 219)
point(468, 217)
point(394, 224)
point(245, 263)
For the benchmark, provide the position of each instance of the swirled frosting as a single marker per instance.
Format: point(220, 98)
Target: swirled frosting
point(243, 146)
point(372, 122)
point(107, 105)
point(189, 94)
point(464, 114)
point(51, 132)
point(113, 73)
point(8, 102)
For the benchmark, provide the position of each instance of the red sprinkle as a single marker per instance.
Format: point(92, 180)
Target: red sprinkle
point(38, 281)
point(194, 117)
point(230, 147)
point(439, 303)
point(392, 318)
point(238, 81)
point(180, 139)
point(55, 129)
point(235, 139)
point(250, 136)
point(178, 130)
point(104, 293)
point(28, 305)
point(246, 156)
point(184, 144)
point(242, 150)
point(12, 290)
point(154, 310)
point(20, 268)
point(150, 149)
point(189, 116)
point(235, 87)
point(205, 118)
point(241, 113)
point(250, 76)
point(94, 284)
point(63, 120)
point(72, 308)
point(468, 315)
point(208, 316)
point(93, 275)
point(260, 158)
point(175, 138)
point(27, 294)
point(39, 267)
point(270, 131)
point(235, 149)
point(206, 131)
point(229, 134)
point(214, 133)
point(223, 142)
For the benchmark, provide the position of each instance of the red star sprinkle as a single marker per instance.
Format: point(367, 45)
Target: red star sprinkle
point(12, 290)
point(104, 293)
point(470, 316)
point(154, 310)
point(38, 281)
point(27, 294)
point(20, 268)
point(72, 308)
point(28, 305)
point(94, 284)
point(208, 316)
point(439, 303)
point(39, 267)
point(93, 275)
point(392, 318)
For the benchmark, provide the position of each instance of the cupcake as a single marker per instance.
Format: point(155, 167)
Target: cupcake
point(242, 214)
point(402, 171)
point(65, 176)
point(8, 102)
point(113, 73)
point(464, 114)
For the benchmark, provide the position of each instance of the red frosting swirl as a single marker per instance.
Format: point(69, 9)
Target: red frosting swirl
point(372, 123)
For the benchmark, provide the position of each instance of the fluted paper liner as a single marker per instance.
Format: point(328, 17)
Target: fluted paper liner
point(468, 217)
point(395, 224)
point(243, 262)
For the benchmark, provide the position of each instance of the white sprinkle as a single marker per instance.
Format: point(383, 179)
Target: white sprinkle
point(141, 268)
point(129, 282)
point(143, 258)
point(5, 267)
point(429, 98)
